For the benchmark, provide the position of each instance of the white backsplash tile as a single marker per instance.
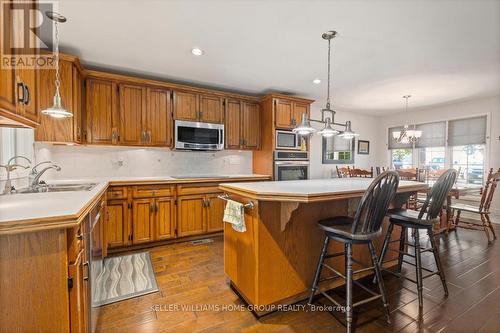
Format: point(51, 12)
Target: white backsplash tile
point(94, 161)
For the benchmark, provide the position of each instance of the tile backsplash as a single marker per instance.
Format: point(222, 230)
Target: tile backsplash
point(96, 161)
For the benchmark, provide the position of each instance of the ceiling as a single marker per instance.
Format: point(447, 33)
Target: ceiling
point(438, 51)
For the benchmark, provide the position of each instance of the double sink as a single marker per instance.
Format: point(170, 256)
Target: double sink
point(58, 188)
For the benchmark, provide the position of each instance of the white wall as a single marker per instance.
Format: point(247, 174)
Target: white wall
point(93, 161)
point(366, 126)
point(484, 106)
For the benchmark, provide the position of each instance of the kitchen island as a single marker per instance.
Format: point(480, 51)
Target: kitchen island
point(273, 262)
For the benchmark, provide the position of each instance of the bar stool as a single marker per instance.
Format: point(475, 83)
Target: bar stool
point(362, 229)
point(424, 219)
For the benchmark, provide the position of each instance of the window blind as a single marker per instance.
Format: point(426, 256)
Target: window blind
point(470, 131)
point(395, 145)
point(433, 135)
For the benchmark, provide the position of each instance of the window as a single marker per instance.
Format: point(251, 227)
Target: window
point(337, 150)
point(15, 141)
point(432, 158)
point(469, 161)
point(402, 158)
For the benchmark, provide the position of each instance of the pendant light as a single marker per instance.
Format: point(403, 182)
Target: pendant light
point(407, 135)
point(57, 110)
point(305, 128)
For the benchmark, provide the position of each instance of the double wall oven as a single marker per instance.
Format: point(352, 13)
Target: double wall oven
point(291, 165)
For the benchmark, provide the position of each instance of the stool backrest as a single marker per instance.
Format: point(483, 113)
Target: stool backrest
point(434, 202)
point(375, 202)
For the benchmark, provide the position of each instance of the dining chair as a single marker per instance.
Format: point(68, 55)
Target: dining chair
point(483, 209)
point(343, 172)
point(356, 172)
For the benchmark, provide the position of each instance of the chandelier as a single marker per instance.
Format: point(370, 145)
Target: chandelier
point(407, 135)
point(305, 127)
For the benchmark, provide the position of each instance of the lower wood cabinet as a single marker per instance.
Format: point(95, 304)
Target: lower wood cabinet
point(117, 234)
point(78, 300)
point(215, 213)
point(142, 220)
point(165, 218)
point(191, 214)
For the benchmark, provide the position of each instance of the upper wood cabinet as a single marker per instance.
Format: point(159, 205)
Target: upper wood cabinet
point(242, 125)
point(157, 121)
point(288, 113)
point(132, 100)
point(66, 129)
point(198, 107)
point(18, 95)
point(102, 115)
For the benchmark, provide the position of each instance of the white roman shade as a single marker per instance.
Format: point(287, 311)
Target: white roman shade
point(395, 145)
point(433, 135)
point(470, 131)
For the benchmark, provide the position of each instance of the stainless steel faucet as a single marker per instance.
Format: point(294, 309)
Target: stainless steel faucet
point(11, 166)
point(34, 171)
point(36, 180)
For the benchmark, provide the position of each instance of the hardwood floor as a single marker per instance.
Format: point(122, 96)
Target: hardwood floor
point(193, 275)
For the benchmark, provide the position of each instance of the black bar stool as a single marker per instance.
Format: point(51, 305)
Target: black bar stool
point(362, 229)
point(424, 219)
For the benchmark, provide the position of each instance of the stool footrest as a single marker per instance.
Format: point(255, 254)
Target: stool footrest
point(334, 270)
point(330, 298)
point(414, 265)
point(338, 254)
point(366, 300)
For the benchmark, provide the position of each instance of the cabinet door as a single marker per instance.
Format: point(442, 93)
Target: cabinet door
point(142, 221)
point(78, 301)
point(132, 109)
point(101, 111)
point(77, 105)
point(165, 218)
point(158, 119)
point(211, 109)
point(185, 106)
point(117, 223)
point(251, 125)
point(232, 122)
point(215, 213)
point(52, 129)
point(7, 75)
point(283, 113)
point(298, 110)
point(191, 219)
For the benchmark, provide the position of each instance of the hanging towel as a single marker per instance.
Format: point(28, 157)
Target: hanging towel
point(234, 213)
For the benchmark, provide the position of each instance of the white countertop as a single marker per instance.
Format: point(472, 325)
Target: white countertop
point(312, 188)
point(29, 207)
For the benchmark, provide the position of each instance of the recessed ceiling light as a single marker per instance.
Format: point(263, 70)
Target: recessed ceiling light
point(316, 81)
point(196, 51)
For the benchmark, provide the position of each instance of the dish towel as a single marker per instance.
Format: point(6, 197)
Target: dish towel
point(234, 213)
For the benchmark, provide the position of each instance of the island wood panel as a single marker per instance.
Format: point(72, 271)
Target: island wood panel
point(132, 108)
point(232, 124)
point(78, 300)
point(283, 113)
point(186, 106)
point(158, 117)
point(211, 108)
point(54, 129)
point(102, 120)
point(191, 215)
point(142, 221)
point(250, 125)
point(34, 282)
point(268, 265)
point(165, 218)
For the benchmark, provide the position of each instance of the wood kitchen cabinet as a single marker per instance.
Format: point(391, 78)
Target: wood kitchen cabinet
point(142, 220)
point(242, 125)
point(18, 83)
point(191, 215)
point(288, 113)
point(79, 304)
point(102, 115)
point(198, 107)
point(215, 212)
point(157, 122)
point(132, 101)
point(66, 130)
point(164, 222)
point(117, 233)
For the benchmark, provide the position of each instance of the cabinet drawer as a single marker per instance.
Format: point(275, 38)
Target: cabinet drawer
point(186, 189)
point(117, 192)
point(148, 191)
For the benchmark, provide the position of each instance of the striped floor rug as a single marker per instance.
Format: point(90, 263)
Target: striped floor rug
point(125, 277)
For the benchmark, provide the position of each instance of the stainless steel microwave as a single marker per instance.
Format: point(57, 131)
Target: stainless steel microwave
point(191, 135)
point(287, 140)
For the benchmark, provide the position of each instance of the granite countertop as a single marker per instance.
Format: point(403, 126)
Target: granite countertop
point(52, 209)
point(310, 190)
